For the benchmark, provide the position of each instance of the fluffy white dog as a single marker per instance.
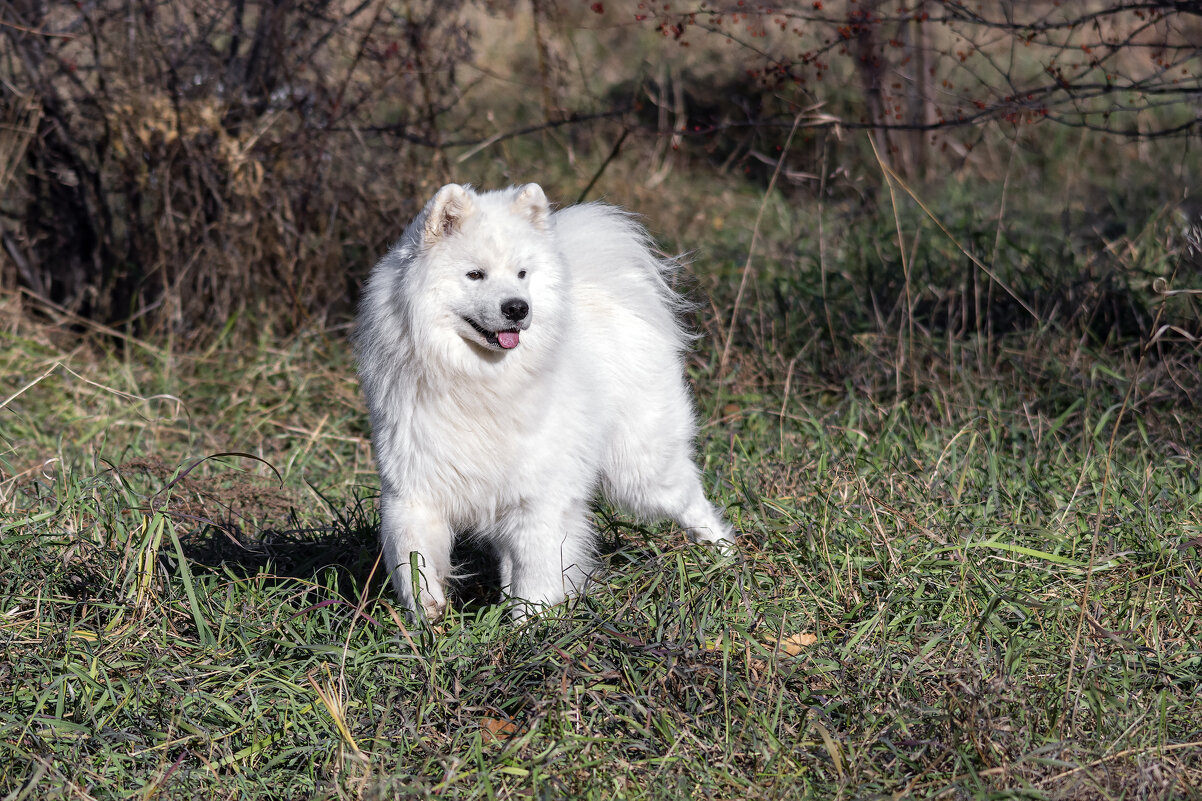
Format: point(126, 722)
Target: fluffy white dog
point(515, 362)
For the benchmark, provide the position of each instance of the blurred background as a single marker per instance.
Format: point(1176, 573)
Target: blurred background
point(180, 169)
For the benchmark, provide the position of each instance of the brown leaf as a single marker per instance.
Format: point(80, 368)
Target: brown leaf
point(497, 731)
point(796, 643)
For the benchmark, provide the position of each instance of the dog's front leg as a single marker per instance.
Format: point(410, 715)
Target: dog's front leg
point(417, 549)
point(548, 554)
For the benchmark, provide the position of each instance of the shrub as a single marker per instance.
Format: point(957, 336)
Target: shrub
point(169, 163)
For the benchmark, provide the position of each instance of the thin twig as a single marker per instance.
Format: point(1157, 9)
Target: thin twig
point(613, 154)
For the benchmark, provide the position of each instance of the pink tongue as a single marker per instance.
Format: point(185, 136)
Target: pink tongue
point(507, 339)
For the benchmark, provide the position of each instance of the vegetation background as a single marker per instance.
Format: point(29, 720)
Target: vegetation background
point(948, 264)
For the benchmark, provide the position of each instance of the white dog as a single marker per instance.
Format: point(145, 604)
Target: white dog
point(515, 362)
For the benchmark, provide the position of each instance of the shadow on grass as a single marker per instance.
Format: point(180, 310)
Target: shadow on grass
point(245, 525)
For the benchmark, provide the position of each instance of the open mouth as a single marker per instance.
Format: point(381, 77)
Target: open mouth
point(506, 339)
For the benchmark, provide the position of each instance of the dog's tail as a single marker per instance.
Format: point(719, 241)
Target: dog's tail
point(611, 252)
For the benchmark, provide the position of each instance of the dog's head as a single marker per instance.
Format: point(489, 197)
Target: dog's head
point(485, 264)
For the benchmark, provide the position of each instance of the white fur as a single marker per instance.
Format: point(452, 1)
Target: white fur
point(513, 444)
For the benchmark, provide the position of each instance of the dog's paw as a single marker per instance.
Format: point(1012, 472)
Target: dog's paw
point(433, 608)
point(722, 542)
point(717, 536)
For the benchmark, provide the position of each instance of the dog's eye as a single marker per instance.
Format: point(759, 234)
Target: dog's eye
point(521, 273)
point(476, 275)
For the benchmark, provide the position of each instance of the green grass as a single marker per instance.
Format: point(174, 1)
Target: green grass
point(216, 632)
point(971, 564)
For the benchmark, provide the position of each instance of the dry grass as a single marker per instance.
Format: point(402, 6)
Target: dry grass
point(969, 569)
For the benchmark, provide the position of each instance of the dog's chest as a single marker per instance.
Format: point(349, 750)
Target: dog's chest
point(479, 457)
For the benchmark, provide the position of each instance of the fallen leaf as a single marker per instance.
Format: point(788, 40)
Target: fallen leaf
point(796, 643)
point(496, 730)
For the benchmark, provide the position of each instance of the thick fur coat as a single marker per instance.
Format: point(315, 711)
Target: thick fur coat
point(517, 362)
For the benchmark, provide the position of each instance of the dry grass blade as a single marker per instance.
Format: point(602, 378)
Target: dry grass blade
point(755, 235)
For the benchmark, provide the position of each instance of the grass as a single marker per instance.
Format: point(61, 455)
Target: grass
point(971, 568)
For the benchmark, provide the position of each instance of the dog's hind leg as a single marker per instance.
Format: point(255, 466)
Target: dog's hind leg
point(682, 498)
point(417, 549)
point(655, 489)
point(698, 517)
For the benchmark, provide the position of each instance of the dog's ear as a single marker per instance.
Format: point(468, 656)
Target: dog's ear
point(531, 203)
point(446, 211)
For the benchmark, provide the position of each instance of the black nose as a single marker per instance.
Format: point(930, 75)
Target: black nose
point(515, 309)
